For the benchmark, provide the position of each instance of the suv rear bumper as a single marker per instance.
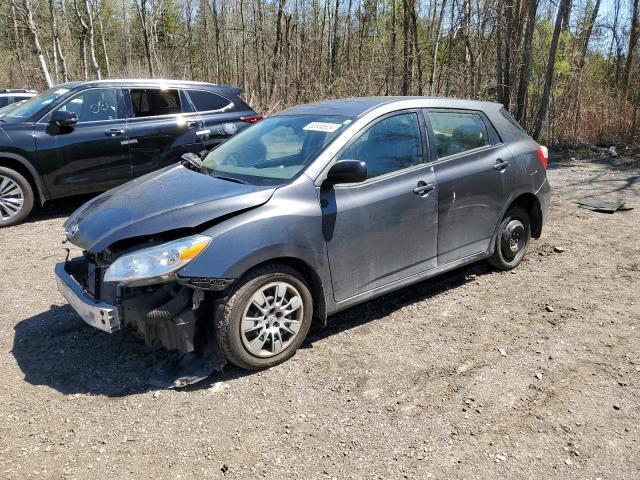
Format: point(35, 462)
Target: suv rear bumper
point(100, 315)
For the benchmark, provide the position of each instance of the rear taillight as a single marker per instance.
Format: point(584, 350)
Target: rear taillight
point(543, 156)
point(254, 119)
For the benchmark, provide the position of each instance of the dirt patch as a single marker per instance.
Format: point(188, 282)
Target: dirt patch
point(466, 376)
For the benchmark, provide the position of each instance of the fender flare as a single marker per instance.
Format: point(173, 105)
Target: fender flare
point(43, 194)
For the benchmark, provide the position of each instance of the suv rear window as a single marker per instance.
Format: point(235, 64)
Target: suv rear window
point(148, 102)
point(457, 132)
point(207, 101)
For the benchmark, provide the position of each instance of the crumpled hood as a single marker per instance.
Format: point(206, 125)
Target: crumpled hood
point(170, 198)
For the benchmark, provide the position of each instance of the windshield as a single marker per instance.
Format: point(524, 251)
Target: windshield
point(275, 149)
point(27, 108)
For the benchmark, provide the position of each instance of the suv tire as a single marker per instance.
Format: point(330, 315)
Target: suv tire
point(266, 317)
point(16, 197)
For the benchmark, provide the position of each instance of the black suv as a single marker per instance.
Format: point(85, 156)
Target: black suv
point(85, 137)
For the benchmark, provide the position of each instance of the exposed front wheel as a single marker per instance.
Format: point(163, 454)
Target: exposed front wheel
point(16, 197)
point(512, 239)
point(266, 317)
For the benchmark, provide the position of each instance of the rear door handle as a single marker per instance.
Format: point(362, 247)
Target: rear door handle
point(192, 123)
point(114, 132)
point(423, 188)
point(501, 164)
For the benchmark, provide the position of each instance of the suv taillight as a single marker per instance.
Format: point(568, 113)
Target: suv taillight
point(543, 156)
point(254, 119)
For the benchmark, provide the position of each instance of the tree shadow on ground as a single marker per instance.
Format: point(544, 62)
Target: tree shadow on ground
point(55, 348)
point(60, 208)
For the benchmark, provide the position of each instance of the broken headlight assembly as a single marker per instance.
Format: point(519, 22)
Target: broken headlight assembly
point(156, 264)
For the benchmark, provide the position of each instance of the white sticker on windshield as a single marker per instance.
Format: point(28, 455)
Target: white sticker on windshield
point(322, 127)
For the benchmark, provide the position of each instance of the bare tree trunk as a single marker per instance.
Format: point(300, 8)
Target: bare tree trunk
point(525, 70)
point(436, 43)
point(548, 79)
point(333, 53)
point(633, 39)
point(581, 64)
point(92, 45)
point(142, 13)
point(104, 46)
point(16, 41)
point(27, 12)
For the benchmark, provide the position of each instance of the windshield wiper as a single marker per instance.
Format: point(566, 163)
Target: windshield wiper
point(230, 179)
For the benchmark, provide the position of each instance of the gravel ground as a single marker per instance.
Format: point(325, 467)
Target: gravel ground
point(467, 376)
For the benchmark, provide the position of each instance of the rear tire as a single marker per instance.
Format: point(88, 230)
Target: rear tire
point(512, 239)
point(266, 318)
point(16, 197)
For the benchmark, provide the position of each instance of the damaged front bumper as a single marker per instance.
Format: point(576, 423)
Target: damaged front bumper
point(100, 315)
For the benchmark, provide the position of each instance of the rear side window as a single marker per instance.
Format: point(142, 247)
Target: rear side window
point(148, 102)
point(457, 132)
point(4, 101)
point(207, 101)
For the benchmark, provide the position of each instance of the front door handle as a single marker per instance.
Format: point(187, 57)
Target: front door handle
point(501, 164)
point(423, 188)
point(114, 132)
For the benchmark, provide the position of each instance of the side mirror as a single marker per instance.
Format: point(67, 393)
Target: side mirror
point(191, 161)
point(61, 118)
point(346, 171)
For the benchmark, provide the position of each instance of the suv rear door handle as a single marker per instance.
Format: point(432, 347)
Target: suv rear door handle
point(423, 188)
point(114, 132)
point(501, 164)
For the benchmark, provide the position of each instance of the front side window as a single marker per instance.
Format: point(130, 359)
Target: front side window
point(149, 102)
point(208, 101)
point(389, 145)
point(457, 132)
point(94, 105)
point(275, 149)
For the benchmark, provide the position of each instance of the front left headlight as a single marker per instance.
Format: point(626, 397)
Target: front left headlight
point(156, 263)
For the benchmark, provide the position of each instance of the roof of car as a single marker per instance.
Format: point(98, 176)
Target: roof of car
point(358, 106)
point(224, 89)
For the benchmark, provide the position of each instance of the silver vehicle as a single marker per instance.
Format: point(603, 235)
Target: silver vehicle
point(313, 210)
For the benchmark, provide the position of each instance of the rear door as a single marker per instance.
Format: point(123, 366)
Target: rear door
point(162, 126)
point(473, 172)
point(90, 156)
point(383, 229)
point(220, 117)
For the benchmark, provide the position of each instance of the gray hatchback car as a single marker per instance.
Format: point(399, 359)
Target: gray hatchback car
point(313, 210)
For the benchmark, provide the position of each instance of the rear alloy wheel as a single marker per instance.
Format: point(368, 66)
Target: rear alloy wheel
point(512, 239)
point(16, 197)
point(266, 318)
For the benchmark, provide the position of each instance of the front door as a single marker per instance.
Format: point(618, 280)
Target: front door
point(473, 170)
point(162, 126)
point(90, 156)
point(384, 229)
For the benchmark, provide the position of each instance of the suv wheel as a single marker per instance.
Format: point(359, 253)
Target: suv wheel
point(16, 197)
point(266, 318)
point(512, 239)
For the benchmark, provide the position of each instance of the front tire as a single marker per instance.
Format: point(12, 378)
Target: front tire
point(16, 197)
point(512, 239)
point(266, 318)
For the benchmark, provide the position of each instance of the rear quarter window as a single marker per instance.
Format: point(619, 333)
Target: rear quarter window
point(512, 121)
point(208, 101)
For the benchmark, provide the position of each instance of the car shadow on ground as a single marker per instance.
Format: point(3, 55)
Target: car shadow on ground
point(55, 348)
point(60, 208)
